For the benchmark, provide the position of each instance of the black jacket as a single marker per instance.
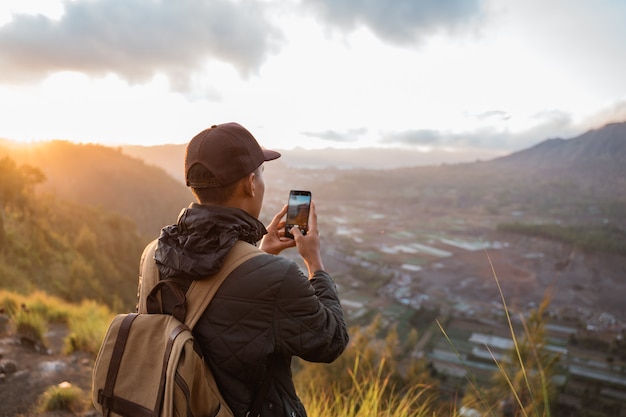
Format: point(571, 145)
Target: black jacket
point(266, 312)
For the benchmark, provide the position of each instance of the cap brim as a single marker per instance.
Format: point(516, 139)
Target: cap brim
point(270, 155)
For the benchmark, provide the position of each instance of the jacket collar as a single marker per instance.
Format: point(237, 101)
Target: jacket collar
point(196, 245)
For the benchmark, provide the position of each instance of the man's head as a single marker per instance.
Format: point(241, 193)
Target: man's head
point(225, 160)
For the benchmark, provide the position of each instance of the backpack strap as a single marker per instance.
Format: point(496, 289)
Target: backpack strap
point(154, 302)
point(201, 291)
point(148, 276)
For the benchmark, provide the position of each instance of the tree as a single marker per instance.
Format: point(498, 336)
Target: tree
point(17, 184)
point(9, 182)
point(2, 232)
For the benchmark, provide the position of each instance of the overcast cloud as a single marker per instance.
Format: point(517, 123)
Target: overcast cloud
point(351, 135)
point(398, 21)
point(487, 138)
point(136, 39)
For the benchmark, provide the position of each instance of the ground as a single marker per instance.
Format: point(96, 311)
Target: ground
point(37, 370)
point(528, 269)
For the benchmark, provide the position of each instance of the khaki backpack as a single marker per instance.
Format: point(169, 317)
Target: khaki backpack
point(147, 365)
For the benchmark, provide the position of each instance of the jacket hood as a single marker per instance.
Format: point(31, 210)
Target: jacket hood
point(196, 245)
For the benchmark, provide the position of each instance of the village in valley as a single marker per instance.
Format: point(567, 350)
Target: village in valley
point(458, 280)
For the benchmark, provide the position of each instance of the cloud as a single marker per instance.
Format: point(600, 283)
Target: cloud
point(497, 115)
point(398, 21)
point(487, 138)
point(351, 135)
point(416, 137)
point(548, 124)
point(136, 39)
point(614, 113)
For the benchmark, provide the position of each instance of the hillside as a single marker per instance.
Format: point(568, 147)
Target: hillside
point(408, 244)
point(170, 157)
point(79, 231)
point(595, 160)
point(69, 250)
point(600, 149)
point(580, 178)
point(105, 177)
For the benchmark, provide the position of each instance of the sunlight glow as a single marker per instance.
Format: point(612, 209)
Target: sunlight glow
point(504, 84)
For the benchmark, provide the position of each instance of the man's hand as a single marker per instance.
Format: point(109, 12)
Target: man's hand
point(309, 244)
point(274, 242)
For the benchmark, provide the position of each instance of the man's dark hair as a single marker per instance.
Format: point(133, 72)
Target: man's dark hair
point(211, 195)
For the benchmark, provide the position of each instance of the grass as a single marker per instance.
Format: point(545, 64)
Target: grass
point(63, 397)
point(369, 386)
point(30, 325)
point(520, 383)
point(87, 328)
point(31, 315)
point(371, 394)
point(523, 383)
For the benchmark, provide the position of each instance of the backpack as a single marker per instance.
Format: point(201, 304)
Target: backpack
point(148, 366)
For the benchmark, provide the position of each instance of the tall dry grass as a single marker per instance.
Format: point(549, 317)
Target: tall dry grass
point(31, 315)
point(520, 387)
point(367, 383)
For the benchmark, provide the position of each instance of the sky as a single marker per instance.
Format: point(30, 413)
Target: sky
point(463, 76)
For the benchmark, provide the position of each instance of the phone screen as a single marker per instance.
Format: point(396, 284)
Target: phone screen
point(298, 209)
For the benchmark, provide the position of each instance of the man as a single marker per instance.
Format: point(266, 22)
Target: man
point(267, 310)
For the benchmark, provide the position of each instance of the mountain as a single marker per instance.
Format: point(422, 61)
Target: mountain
point(578, 180)
point(134, 180)
point(597, 152)
point(170, 158)
point(105, 177)
point(80, 234)
point(592, 164)
point(571, 182)
point(559, 175)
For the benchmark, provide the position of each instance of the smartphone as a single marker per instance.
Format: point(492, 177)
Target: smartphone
point(298, 208)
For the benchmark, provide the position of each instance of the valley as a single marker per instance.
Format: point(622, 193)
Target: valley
point(462, 246)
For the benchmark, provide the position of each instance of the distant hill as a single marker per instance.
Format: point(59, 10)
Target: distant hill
point(583, 173)
point(134, 180)
point(106, 177)
point(577, 179)
point(595, 161)
point(170, 158)
point(598, 152)
point(72, 250)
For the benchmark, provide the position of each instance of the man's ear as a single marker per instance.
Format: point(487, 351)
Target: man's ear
point(249, 185)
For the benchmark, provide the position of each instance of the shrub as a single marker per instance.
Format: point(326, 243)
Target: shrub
point(31, 325)
point(371, 394)
point(88, 325)
point(9, 304)
point(51, 308)
point(62, 397)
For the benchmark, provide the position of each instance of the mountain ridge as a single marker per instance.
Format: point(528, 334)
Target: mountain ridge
point(147, 184)
point(598, 146)
point(103, 176)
